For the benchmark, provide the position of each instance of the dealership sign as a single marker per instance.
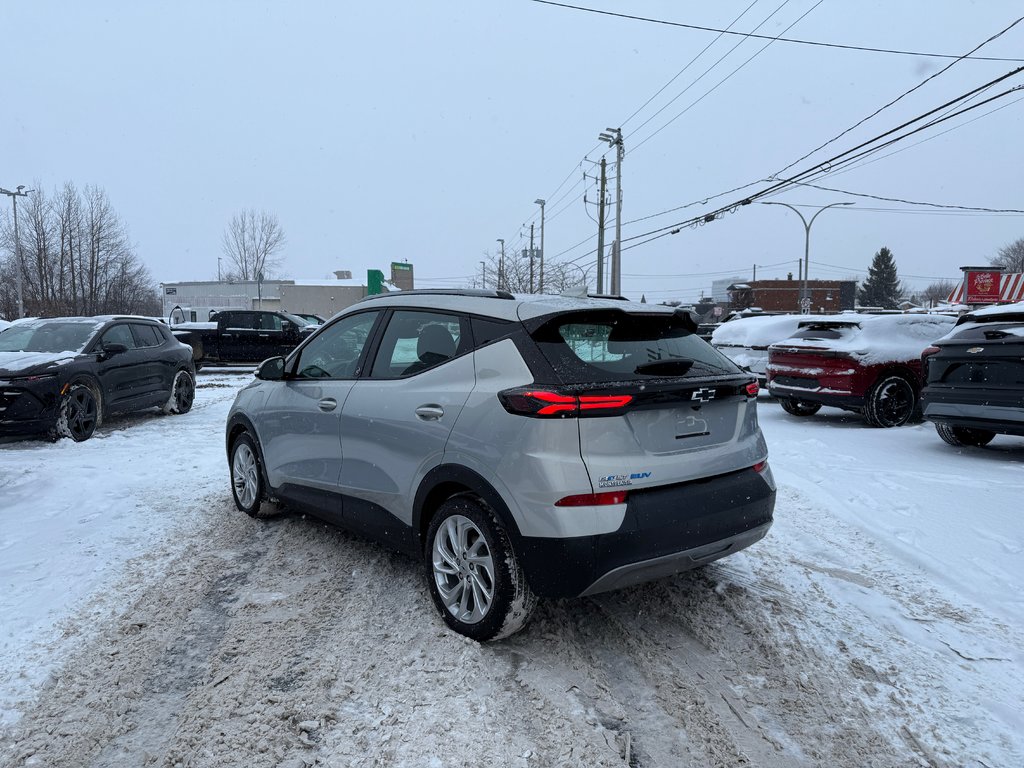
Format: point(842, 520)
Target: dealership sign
point(983, 287)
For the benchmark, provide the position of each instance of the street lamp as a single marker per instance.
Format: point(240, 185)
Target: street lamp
point(805, 296)
point(540, 280)
point(17, 240)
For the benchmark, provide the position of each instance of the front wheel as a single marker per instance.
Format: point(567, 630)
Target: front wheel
point(796, 407)
point(183, 393)
point(246, 475)
point(475, 579)
point(79, 413)
point(890, 402)
point(960, 436)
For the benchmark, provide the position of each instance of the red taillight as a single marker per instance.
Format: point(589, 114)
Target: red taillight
point(753, 389)
point(760, 466)
point(929, 351)
point(524, 401)
point(593, 499)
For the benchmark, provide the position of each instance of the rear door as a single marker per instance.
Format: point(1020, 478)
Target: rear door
point(397, 420)
point(158, 369)
point(239, 336)
point(689, 414)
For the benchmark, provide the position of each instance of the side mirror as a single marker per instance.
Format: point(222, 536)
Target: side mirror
point(111, 348)
point(271, 369)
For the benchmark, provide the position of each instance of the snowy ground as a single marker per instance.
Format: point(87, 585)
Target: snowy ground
point(144, 621)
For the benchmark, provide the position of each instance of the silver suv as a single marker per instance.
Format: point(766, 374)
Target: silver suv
point(519, 446)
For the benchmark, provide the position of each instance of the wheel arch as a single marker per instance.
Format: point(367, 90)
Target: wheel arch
point(447, 480)
point(237, 424)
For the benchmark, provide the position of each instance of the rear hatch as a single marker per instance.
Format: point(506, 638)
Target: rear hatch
point(658, 405)
point(980, 362)
point(801, 360)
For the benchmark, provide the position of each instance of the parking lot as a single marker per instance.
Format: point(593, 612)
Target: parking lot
point(148, 622)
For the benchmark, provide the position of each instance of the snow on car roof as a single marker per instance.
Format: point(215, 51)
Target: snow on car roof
point(874, 339)
point(1016, 308)
point(757, 331)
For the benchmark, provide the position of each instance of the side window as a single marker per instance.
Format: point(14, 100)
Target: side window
point(269, 322)
point(335, 352)
point(119, 334)
point(486, 331)
point(146, 335)
point(241, 321)
point(416, 341)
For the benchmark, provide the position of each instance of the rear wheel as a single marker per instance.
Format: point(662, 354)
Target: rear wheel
point(79, 413)
point(246, 475)
point(183, 393)
point(960, 436)
point(475, 579)
point(890, 402)
point(796, 407)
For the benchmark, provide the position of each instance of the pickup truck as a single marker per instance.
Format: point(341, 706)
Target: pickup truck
point(243, 336)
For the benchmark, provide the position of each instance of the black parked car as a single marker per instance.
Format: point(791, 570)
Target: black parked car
point(975, 377)
point(61, 376)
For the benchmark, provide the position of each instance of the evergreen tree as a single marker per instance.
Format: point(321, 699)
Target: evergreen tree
point(882, 288)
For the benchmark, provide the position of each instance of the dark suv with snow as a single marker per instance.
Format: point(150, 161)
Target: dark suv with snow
point(517, 445)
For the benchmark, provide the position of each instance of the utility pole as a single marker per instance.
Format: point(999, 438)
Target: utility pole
point(540, 278)
point(531, 258)
point(754, 279)
point(600, 227)
point(17, 241)
point(218, 269)
point(502, 279)
point(483, 274)
point(614, 138)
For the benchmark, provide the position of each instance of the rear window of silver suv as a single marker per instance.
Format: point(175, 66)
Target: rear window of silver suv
point(618, 346)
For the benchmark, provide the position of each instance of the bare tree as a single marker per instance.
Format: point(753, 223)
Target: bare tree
point(76, 258)
point(559, 276)
point(1010, 256)
point(937, 291)
point(251, 244)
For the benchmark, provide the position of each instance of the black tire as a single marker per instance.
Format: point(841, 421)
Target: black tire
point(891, 402)
point(183, 393)
point(488, 563)
point(246, 469)
point(961, 436)
point(79, 413)
point(796, 407)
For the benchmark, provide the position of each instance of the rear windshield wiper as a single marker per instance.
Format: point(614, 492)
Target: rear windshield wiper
point(675, 367)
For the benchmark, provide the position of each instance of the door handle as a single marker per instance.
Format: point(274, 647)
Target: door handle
point(328, 404)
point(225, 335)
point(264, 335)
point(430, 412)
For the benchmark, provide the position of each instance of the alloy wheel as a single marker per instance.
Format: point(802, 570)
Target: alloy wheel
point(463, 569)
point(245, 475)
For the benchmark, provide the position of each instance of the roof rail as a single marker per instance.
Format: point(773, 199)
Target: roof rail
point(475, 292)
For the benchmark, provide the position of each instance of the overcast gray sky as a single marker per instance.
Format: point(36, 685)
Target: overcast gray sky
point(385, 131)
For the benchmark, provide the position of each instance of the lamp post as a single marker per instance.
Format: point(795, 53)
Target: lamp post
point(540, 280)
point(17, 241)
point(804, 295)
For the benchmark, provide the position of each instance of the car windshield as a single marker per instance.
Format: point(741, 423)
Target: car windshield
point(47, 337)
point(299, 320)
point(616, 346)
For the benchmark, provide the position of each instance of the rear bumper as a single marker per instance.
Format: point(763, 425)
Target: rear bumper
point(666, 530)
point(835, 399)
point(995, 412)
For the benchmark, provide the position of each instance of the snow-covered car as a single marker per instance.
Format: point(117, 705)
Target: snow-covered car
point(516, 446)
point(974, 377)
point(745, 340)
point(870, 364)
point(61, 376)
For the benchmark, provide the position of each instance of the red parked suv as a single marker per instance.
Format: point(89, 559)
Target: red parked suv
point(870, 364)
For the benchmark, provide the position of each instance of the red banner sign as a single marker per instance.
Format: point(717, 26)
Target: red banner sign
point(982, 287)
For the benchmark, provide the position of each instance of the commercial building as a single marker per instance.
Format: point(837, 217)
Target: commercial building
point(826, 296)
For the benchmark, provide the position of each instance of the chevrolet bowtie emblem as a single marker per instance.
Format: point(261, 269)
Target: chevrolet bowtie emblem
point(704, 394)
point(975, 350)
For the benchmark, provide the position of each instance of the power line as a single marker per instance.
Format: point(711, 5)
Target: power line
point(868, 49)
point(911, 202)
point(721, 82)
point(904, 94)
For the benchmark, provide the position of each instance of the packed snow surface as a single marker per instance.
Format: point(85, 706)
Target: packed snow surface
point(145, 621)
